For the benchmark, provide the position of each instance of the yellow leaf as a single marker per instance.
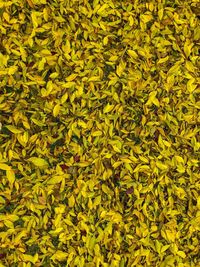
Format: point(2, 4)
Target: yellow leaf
point(198, 202)
point(9, 224)
point(164, 248)
point(131, 20)
point(166, 143)
point(68, 84)
point(181, 168)
point(106, 190)
point(11, 176)
point(45, 14)
point(120, 68)
point(158, 246)
point(71, 77)
point(116, 149)
point(41, 64)
point(39, 162)
point(83, 164)
point(3, 60)
point(108, 108)
point(132, 53)
point(134, 159)
point(160, 14)
point(13, 129)
point(64, 98)
point(174, 69)
point(39, 123)
point(12, 70)
point(190, 67)
point(56, 110)
point(97, 133)
point(156, 102)
point(163, 60)
point(117, 164)
point(30, 41)
point(34, 19)
point(141, 168)
point(146, 18)
point(187, 48)
point(23, 53)
point(180, 192)
point(170, 235)
point(94, 79)
point(181, 254)
point(97, 201)
point(144, 159)
point(18, 237)
point(6, 16)
point(105, 40)
point(59, 255)
point(54, 75)
point(4, 167)
point(10, 217)
point(68, 222)
point(45, 52)
point(82, 124)
point(56, 231)
point(179, 159)
point(30, 258)
point(113, 58)
point(71, 201)
point(153, 99)
point(116, 217)
point(79, 91)
point(102, 9)
point(55, 180)
point(191, 86)
point(161, 166)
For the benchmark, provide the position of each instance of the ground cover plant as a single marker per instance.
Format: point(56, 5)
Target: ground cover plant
point(99, 133)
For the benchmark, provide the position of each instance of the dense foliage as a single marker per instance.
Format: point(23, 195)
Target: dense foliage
point(99, 139)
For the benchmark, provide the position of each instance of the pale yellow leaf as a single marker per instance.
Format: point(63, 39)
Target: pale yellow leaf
point(13, 129)
point(160, 13)
point(164, 248)
point(54, 75)
point(5, 167)
point(30, 258)
point(55, 179)
point(120, 68)
point(39, 162)
point(56, 110)
point(108, 108)
point(163, 60)
point(11, 176)
point(132, 53)
point(102, 9)
point(34, 19)
point(71, 77)
point(97, 133)
point(59, 255)
point(71, 201)
point(12, 70)
point(161, 166)
point(94, 79)
point(6, 16)
point(64, 98)
point(82, 124)
point(181, 254)
point(187, 48)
